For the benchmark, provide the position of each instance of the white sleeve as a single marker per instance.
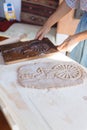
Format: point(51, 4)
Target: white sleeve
point(72, 3)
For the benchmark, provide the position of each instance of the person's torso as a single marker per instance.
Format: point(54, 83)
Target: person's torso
point(82, 4)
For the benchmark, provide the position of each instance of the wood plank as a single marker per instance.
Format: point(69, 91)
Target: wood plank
point(3, 38)
point(28, 50)
point(3, 122)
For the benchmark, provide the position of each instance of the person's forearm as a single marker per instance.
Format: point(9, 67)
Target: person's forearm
point(72, 41)
point(61, 11)
point(81, 36)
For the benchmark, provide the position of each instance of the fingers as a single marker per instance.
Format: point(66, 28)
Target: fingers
point(67, 44)
point(42, 32)
point(39, 35)
point(63, 47)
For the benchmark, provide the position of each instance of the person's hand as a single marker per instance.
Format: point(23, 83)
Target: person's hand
point(68, 44)
point(42, 32)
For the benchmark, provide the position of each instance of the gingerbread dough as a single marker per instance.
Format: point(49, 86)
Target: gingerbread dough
point(50, 75)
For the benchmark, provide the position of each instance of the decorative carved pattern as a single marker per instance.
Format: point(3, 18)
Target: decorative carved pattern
point(50, 75)
point(26, 50)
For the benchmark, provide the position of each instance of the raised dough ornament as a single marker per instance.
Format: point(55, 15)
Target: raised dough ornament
point(46, 75)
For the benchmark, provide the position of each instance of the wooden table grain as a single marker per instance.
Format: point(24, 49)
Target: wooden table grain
point(3, 122)
point(31, 109)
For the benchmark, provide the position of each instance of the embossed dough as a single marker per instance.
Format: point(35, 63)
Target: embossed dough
point(50, 75)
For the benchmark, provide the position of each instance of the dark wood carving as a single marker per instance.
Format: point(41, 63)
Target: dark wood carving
point(27, 50)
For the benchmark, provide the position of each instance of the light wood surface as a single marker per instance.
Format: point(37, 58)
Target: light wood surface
point(31, 109)
point(3, 121)
point(42, 109)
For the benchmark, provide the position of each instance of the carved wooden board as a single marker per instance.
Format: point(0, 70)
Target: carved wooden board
point(27, 50)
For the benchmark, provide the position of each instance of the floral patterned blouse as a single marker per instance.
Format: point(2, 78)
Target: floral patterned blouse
point(77, 3)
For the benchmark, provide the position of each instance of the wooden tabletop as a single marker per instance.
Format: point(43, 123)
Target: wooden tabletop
point(2, 38)
point(3, 122)
point(30, 109)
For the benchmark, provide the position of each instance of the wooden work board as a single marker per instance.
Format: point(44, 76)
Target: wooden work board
point(27, 50)
point(2, 38)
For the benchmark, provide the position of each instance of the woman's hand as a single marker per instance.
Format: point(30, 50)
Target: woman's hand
point(42, 32)
point(68, 44)
point(72, 41)
point(61, 11)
